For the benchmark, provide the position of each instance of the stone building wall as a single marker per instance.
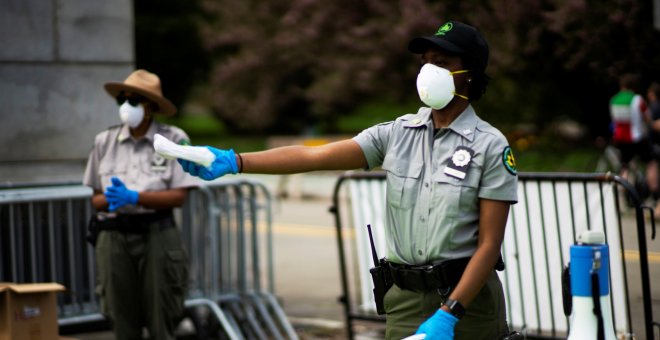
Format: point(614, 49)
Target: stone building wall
point(55, 57)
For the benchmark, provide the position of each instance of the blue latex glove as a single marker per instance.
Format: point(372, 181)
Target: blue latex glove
point(118, 195)
point(224, 163)
point(440, 326)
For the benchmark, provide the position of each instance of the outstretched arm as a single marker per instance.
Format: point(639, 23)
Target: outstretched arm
point(342, 155)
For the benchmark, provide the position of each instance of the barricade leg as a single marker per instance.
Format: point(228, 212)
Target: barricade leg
point(228, 328)
point(271, 301)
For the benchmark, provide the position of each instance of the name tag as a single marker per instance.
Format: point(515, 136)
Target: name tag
point(459, 163)
point(158, 163)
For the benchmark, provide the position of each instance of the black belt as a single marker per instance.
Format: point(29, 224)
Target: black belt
point(442, 276)
point(136, 223)
point(423, 278)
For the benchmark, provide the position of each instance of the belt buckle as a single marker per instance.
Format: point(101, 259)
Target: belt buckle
point(102, 216)
point(427, 268)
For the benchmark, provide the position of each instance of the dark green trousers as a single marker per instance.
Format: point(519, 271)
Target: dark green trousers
point(485, 318)
point(142, 281)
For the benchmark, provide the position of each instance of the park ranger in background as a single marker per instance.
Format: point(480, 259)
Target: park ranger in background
point(141, 263)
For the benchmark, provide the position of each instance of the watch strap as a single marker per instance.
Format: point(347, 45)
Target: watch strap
point(455, 308)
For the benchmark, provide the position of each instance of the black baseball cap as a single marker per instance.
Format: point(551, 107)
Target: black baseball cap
point(455, 37)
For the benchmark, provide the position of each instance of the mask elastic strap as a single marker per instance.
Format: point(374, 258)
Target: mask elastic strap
point(459, 72)
point(460, 96)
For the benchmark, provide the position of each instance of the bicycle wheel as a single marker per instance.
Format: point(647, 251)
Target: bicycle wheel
point(610, 160)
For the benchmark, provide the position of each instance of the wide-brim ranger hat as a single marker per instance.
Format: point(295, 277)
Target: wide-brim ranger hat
point(146, 84)
point(455, 37)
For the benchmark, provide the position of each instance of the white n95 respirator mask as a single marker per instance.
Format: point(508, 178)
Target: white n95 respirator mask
point(131, 115)
point(435, 86)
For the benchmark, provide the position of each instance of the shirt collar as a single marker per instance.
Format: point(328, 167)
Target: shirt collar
point(421, 118)
point(465, 124)
point(125, 133)
point(151, 132)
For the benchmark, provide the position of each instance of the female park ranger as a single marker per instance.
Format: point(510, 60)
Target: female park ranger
point(451, 178)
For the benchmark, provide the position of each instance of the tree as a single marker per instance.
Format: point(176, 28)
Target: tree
point(287, 64)
point(279, 66)
point(563, 58)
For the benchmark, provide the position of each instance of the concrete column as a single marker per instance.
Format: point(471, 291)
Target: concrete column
point(56, 56)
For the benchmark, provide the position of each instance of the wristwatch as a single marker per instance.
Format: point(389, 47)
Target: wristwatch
point(455, 308)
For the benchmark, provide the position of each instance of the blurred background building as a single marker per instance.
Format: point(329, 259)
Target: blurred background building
point(55, 57)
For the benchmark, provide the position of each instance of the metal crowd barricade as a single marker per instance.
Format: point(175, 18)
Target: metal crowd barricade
point(552, 209)
point(42, 239)
point(226, 228)
point(230, 254)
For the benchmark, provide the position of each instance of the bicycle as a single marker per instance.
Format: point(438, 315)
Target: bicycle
point(610, 161)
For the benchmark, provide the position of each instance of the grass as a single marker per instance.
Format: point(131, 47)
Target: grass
point(207, 130)
point(373, 113)
point(544, 154)
point(543, 160)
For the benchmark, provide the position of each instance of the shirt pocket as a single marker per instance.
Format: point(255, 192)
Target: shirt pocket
point(456, 196)
point(109, 169)
point(402, 181)
point(155, 171)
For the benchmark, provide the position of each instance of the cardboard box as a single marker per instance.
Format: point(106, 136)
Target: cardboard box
point(29, 311)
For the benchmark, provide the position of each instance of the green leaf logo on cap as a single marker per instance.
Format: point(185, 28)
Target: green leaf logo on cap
point(444, 29)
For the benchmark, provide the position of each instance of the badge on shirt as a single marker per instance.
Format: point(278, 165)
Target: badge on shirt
point(158, 163)
point(460, 161)
point(509, 161)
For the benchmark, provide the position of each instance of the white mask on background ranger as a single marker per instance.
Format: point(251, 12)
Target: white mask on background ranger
point(435, 86)
point(131, 115)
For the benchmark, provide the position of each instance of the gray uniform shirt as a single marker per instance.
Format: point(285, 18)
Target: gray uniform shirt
point(135, 162)
point(432, 213)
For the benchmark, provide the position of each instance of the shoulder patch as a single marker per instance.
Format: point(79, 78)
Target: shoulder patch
point(509, 161)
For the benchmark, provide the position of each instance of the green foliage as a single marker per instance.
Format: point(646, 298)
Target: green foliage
point(562, 159)
point(563, 57)
point(196, 125)
point(285, 66)
point(208, 130)
point(541, 154)
point(372, 113)
point(306, 63)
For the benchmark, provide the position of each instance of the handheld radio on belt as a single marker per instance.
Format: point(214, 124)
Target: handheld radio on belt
point(380, 276)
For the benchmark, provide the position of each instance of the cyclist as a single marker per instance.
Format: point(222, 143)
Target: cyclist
point(629, 115)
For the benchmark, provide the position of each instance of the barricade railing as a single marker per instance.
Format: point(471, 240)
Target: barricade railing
point(226, 227)
point(552, 209)
point(239, 247)
point(42, 239)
